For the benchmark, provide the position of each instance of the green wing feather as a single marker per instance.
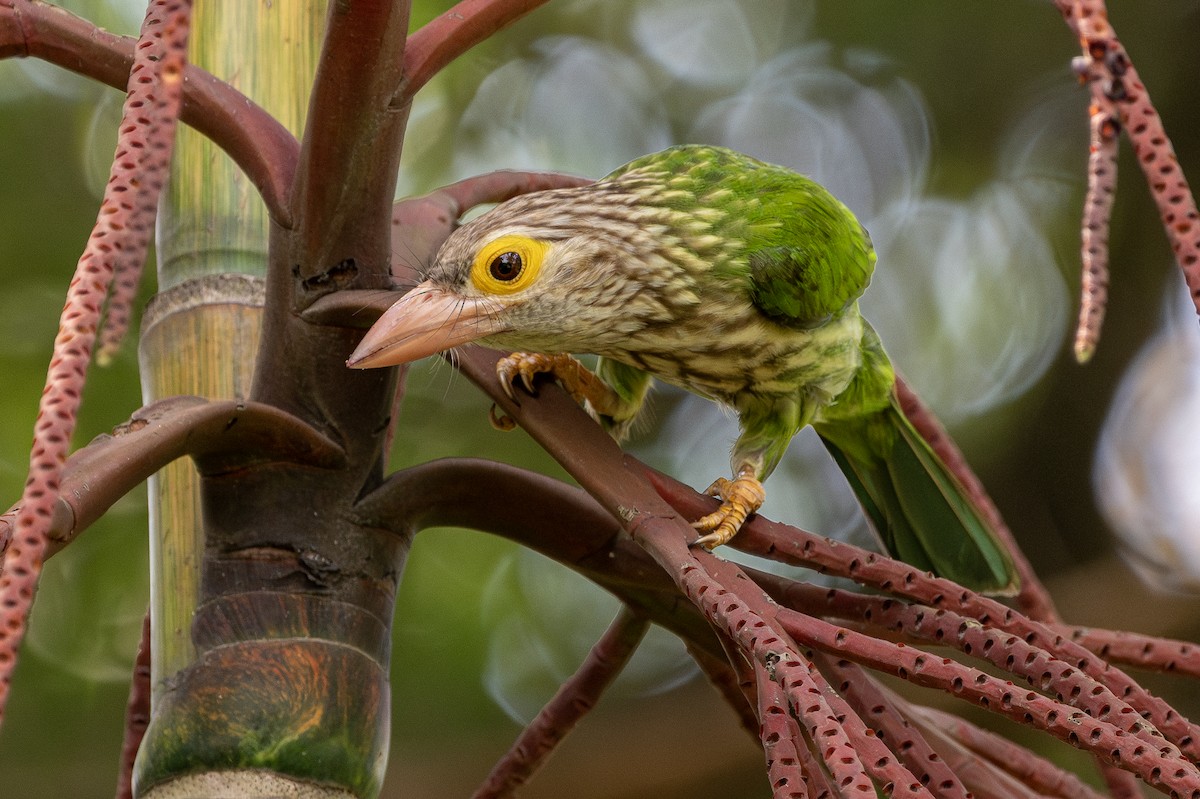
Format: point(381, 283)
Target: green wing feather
point(815, 264)
point(631, 386)
point(918, 508)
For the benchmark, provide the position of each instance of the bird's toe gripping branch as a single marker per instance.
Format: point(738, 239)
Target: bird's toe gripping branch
point(740, 497)
point(586, 388)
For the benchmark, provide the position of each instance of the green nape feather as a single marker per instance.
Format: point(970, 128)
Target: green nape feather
point(920, 511)
point(804, 256)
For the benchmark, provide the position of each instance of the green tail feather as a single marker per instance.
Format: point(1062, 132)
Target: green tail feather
point(919, 510)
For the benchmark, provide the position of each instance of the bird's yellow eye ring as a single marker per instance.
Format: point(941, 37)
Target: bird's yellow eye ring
point(508, 264)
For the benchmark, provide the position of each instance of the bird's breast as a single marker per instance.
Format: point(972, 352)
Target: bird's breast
point(727, 356)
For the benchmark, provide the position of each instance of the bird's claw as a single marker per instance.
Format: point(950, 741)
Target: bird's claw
point(526, 366)
point(508, 391)
point(739, 498)
point(501, 420)
point(590, 391)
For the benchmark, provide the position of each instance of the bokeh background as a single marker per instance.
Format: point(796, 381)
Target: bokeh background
point(956, 131)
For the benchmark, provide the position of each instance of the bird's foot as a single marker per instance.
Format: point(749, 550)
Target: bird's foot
point(739, 497)
point(586, 388)
point(501, 420)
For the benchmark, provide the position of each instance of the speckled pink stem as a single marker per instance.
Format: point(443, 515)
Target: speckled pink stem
point(891, 728)
point(1038, 773)
point(1114, 80)
point(1134, 649)
point(137, 713)
point(874, 570)
point(1012, 653)
point(785, 666)
point(121, 234)
point(1160, 766)
point(119, 308)
point(1097, 212)
point(573, 700)
point(781, 739)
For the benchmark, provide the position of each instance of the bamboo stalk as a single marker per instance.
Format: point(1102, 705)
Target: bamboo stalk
point(200, 336)
point(213, 221)
point(198, 339)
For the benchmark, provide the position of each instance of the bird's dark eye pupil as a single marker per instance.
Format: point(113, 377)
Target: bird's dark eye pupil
point(506, 266)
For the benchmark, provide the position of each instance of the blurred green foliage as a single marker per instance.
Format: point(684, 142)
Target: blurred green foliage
point(979, 66)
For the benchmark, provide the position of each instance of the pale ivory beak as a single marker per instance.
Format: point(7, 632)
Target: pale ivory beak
point(424, 321)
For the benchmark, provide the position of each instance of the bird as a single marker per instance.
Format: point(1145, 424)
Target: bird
point(732, 278)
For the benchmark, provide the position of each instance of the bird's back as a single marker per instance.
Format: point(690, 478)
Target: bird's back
point(778, 264)
point(788, 227)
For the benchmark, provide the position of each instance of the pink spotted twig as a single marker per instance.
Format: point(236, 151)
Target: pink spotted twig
point(891, 727)
point(1142, 651)
point(1038, 773)
point(137, 713)
point(121, 235)
point(1097, 212)
point(852, 755)
point(782, 741)
point(574, 698)
point(119, 309)
point(1161, 766)
point(773, 651)
point(1115, 85)
point(763, 537)
point(1010, 652)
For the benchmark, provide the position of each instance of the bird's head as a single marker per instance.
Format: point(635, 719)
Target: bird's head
point(542, 272)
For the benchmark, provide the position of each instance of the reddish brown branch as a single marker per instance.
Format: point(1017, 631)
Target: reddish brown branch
point(1114, 79)
point(137, 713)
point(892, 728)
point(453, 33)
point(117, 311)
point(262, 147)
point(1140, 651)
point(781, 739)
point(807, 693)
point(121, 235)
point(533, 510)
point(1036, 666)
point(1036, 772)
point(984, 780)
point(788, 544)
point(218, 435)
point(1097, 214)
point(882, 762)
point(346, 173)
point(725, 593)
point(574, 699)
point(815, 777)
point(1117, 743)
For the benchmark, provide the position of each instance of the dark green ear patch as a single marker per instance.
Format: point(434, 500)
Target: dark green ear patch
point(800, 300)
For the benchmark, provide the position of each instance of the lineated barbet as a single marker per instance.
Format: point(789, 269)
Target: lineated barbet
point(732, 278)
